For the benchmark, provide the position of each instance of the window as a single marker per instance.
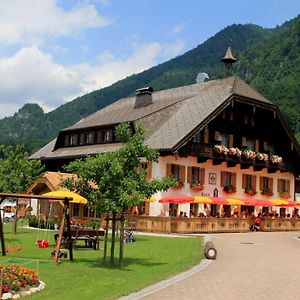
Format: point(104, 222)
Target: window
point(89, 138)
point(86, 211)
point(73, 140)
point(148, 168)
point(251, 144)
point(199, 137)
point(266, 185)
point(224, 139)
point(75, 209)
point(108, 136)
point(283, 185)
point(228, 179)
point(176, 171)
point(196, 175)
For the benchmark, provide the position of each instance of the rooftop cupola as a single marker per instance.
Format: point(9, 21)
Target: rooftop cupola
point(143, 97)
point(228, 59)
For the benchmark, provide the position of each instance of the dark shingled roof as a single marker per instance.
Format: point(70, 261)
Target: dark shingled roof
point(173, 114)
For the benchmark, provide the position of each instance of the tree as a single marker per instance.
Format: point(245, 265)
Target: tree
point(115, 180)
point(17, 172)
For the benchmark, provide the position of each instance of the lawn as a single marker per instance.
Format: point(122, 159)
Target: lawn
point(148, 260)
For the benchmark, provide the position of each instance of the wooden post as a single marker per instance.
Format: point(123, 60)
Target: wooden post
point(70, 246)
point(58, 241)
point(113, 239)
point(2, 233)
point(121, 242)
point(105, 240)
point(16, 217)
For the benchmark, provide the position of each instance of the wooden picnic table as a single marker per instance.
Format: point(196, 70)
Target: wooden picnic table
point(87, 234)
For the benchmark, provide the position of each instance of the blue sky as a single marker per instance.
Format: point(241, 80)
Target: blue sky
point(52, 51)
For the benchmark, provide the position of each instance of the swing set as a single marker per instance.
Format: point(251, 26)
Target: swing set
point(44, 243)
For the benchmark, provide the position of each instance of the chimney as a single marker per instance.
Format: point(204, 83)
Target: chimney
point(143, 97)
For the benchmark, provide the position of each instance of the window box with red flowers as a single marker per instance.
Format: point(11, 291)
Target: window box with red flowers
point(250, 191)
point(178, 186)
point(267, 192)
point(284, 195)
point(229, 189)
point(197, 186)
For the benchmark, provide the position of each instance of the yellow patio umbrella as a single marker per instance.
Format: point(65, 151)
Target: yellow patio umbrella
point(62, 193)
point(279, 202)
point(234, 201)
point(151, 199)
point(202, 199)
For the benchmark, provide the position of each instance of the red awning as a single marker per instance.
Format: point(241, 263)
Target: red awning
point(177, 199)
point(219, 201)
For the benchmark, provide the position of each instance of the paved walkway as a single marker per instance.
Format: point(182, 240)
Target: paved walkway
point(256, 265)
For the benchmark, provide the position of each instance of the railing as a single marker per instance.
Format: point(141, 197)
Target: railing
point(209, 225)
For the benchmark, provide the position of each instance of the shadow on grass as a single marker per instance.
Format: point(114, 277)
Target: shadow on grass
point(127, 263)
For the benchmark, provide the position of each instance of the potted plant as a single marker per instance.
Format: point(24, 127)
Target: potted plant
point(196, 186)
point(220, 149)
point(267, 192)
point(250, 191)
point(229, 189)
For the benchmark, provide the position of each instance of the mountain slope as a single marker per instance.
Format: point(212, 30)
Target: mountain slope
point(248, 41)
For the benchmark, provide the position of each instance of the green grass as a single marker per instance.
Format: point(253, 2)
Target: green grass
point(148, 260)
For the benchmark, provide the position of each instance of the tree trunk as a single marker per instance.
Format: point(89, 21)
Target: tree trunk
point(105, 240)
point(121, 242)
point(113, 239)
point(16, 218)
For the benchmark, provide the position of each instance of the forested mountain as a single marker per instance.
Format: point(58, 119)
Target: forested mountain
point(268, 59)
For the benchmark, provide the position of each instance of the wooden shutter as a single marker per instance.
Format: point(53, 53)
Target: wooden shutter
point(206, 135)
point(216, 135)
point(169, 170)
point(244, 141)
point(233, 179)
point(253, 183)
point(182, 173)
point(288, 186)
point(279, 185)
point(66, 140)
point(223, 178)
point(244, 178)
point(202, 176)
point(81, 138)
point(190, 174)
point(256, 145)
point(261, 183)
point(271, 184)
point(149, 171)
point(230, 140)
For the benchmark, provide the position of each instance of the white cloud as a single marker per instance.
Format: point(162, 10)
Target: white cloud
point(33, 76)
point(178, 28)
point(33, 21)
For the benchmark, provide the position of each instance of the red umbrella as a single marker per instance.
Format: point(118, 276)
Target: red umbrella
point(263, 202)
point(177, 199)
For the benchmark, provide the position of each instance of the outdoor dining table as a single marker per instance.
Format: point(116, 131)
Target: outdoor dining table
point(87, 234)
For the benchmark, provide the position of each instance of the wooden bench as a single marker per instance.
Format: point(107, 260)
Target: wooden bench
point(90, 236)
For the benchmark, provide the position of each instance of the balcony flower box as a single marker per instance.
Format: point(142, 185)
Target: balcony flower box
point(250, 191)
point(275, 159)
point(262, 157)
point(248, 154)
point(267, 192)
point(178, 186)
point(229, 189)
point(284, 195)
point(197, 186)
point(220, 150)
point(234, 152)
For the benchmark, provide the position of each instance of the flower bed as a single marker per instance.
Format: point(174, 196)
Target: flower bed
point(18, 278)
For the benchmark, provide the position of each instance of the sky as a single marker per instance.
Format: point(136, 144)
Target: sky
point(52, 51)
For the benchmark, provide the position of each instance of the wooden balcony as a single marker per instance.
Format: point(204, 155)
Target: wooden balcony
point(205, 151)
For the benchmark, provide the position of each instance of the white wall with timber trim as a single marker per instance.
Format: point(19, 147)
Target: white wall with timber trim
point(159, 170)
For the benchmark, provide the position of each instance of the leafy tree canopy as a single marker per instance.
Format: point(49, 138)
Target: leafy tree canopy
point(116, 180)
point(17, 173)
